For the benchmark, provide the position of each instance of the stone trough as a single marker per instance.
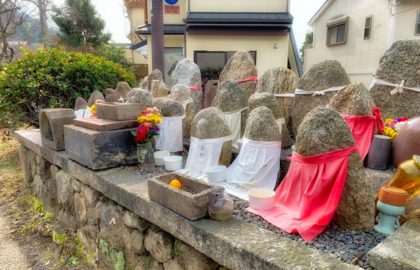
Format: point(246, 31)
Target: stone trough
point(191, 201)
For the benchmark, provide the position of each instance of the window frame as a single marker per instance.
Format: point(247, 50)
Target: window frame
point(417, 24)
point(334, 24)
point(368, 27)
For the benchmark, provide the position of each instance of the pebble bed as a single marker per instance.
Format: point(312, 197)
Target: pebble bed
point(349, 246)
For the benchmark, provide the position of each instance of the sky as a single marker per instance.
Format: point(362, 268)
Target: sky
point(116, 22)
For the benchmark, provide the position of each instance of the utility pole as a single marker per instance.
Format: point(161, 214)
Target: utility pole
point(157, 35)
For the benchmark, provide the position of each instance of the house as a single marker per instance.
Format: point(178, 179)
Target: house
point(358, 32)
point(209, 32)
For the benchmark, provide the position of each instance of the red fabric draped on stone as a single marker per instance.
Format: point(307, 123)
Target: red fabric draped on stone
point(363, 129)
point(249, 79)
point(308, 196)
point(195, 87)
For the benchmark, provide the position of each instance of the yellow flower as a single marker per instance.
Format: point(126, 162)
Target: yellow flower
point(92, 109)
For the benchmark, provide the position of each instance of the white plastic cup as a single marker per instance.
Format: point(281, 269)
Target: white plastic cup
point(216, 173)
point(159, 156)
point(173, 163)
point(261, 198)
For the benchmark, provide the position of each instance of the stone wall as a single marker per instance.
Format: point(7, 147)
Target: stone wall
point(115, 237)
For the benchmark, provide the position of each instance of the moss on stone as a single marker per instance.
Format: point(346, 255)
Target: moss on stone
point(115, 256)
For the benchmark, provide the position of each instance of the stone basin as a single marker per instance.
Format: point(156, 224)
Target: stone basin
point(118, 111)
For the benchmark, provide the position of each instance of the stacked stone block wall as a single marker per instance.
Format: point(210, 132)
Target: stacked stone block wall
point(115, 238)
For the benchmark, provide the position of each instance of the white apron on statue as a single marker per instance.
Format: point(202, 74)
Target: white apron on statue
point(257, 166)
point(170, 134)
point(204, 153)
point(233, 121)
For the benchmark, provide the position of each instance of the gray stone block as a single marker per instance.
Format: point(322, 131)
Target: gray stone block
point(190, 205)
point(51, 122)
point(118, 111)
point(100, 150)
point(401, 250)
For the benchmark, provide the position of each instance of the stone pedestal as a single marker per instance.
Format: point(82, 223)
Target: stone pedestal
point(100, 150)
point(51, 122)
point(118, 111)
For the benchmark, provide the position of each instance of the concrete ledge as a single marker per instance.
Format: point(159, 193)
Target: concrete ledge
point(400, 250)
point(234, 244)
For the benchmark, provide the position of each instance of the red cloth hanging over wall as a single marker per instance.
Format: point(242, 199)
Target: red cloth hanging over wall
point(308, 196)
point(363, 129)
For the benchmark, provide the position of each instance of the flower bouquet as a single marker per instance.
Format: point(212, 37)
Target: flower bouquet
point(149, 121)
point(393, 126)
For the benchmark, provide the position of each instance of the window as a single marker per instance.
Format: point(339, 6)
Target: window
point(337, 32)
point(368, 28)
point(418, 23)
point(211, 63)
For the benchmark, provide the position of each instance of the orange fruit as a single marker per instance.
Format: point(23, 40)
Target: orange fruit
point(175, 183)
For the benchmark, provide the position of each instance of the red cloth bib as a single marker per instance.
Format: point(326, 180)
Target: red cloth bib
point(309, 194)
point(363, 129)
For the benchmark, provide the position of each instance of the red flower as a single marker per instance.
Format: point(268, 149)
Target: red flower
point(147, 125)
point(141, 134)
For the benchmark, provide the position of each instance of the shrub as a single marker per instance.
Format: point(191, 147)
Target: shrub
point(115, 54)
point(53, 78)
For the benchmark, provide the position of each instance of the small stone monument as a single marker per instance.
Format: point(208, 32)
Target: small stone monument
point(95, 96)
point(170, 134)
point(112, 95)
point(169, 107)
point(325, 75)
point(140, 96)
point(262, 126)
point(268, 100)
point(182, 94)
point(282, 83)
point(80, 104)
point(155, 75)
point(354, 99)
point(159, 89)
point(324, 130)
point(188, 73)
point(232, 101)
point(241, 68)
point(123, 88)
point(145, 83)
point(400, 64)
point(208, 124)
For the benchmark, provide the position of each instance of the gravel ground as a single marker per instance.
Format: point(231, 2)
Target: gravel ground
point(349, 246)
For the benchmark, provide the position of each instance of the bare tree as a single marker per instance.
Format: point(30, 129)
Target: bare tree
point(11, 16)
point(43, 7)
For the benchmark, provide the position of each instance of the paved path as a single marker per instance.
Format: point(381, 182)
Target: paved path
point(11, 256)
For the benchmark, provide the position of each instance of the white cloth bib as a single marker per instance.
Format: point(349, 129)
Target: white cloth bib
point(233, 121)
point(256, 166)
point(204, 153)
point(170, 134)
point(81, 114)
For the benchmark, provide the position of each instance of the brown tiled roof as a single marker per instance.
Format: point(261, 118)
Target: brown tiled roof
point(135, 3)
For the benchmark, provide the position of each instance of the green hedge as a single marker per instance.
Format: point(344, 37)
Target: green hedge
point(53, 78)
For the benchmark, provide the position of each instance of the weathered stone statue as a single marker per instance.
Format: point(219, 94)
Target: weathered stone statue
point(399, 64)
point(140, 96)
point(241, 69)
point(112, 95)
point(95, 96)
point(208, 124)
point(325, 75)
point(188, 73)
point(324, 130)
point(123, 88)
point(159, 89)
point(282, 83)
point(232, 101)
point(182, 94)
point(268, 100)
